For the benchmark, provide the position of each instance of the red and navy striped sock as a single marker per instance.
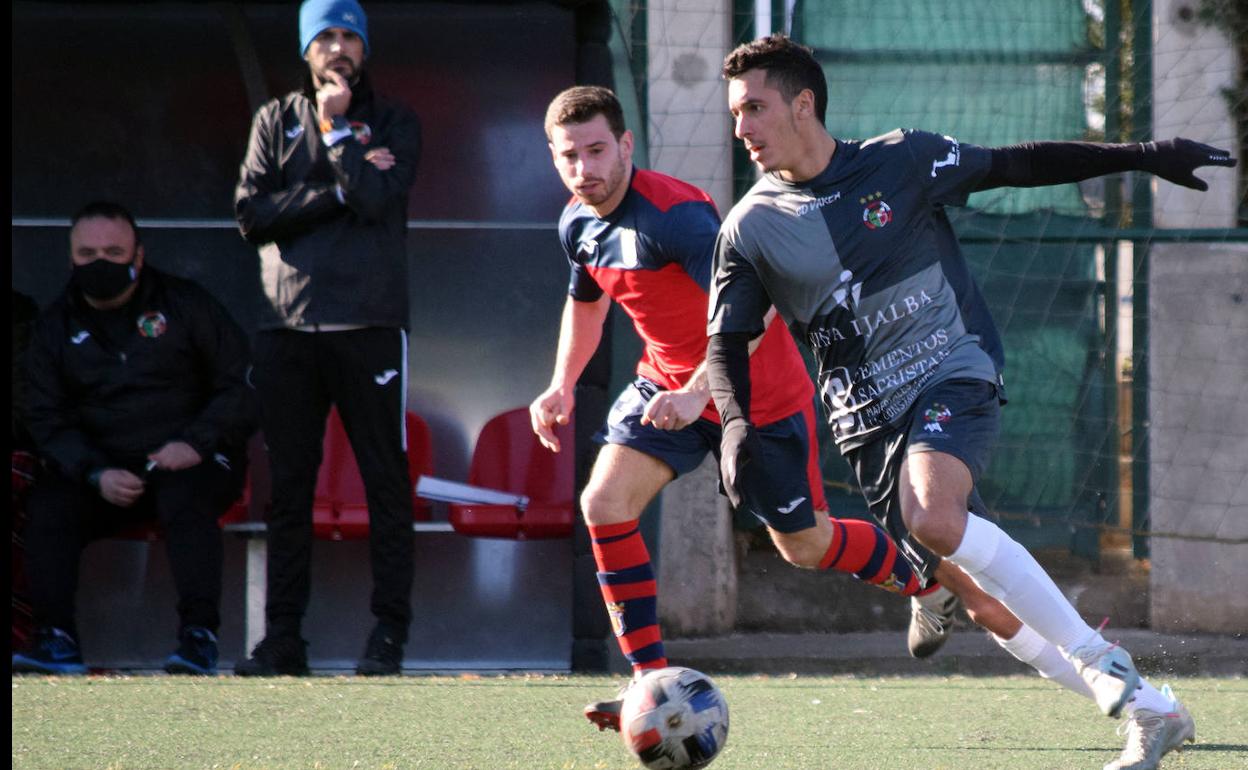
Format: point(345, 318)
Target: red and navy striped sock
point(628, 588)
point(866, 551)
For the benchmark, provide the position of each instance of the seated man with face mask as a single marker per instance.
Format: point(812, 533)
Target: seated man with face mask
point(140, 411)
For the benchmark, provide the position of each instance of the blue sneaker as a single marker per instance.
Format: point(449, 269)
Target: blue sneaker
point(196, 653)
point(53, 651)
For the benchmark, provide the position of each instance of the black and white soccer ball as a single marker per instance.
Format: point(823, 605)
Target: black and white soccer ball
point(674, 718)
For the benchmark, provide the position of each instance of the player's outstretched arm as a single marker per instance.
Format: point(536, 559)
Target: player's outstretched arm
point(1035, 164)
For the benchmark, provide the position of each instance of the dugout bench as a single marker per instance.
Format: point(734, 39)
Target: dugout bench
point(507, 457)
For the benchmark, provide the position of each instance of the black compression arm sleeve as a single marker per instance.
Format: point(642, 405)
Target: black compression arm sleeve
point(728, 373)
point(1035, 164)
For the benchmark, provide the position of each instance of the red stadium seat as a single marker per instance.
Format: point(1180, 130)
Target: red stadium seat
point(508, 457)
point(340, 508)
point(240, 511)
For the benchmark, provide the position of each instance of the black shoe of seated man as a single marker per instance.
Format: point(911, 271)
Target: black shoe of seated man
point(196, 653)
point(276, 656)
point(383, 656)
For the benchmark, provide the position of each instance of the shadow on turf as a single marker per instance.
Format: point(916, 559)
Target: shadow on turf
point(1232, 747)
point(1236, 747)
point(1097, 749)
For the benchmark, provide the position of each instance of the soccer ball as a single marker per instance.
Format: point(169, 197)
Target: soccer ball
point(674, 718)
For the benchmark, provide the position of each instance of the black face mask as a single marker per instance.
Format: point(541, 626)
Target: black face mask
point(103, 280)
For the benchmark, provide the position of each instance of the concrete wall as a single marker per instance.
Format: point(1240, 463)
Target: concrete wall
point(690, 130)
point(1192, 63)
point(698, 564)
point(1198, 350)
point(1198, 435)
point(691, 139)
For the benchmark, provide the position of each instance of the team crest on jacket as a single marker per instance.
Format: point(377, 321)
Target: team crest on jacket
point(934, 417)
point(877, 213)
point(363, 132)
point(152, 324)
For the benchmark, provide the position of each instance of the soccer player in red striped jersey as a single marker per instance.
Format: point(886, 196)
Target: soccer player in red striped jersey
point(646, 241)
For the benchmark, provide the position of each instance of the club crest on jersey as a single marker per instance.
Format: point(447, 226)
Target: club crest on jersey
point(362, 131)
point(615, 611)
point(939, 413)
point(152, 324)
point(877, 213)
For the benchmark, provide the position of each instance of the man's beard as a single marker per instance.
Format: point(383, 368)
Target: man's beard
point(352, 73)
point(610, 184)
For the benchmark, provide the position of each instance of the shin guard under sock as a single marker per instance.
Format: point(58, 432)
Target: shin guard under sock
point(1007, 572)
point(869, 554)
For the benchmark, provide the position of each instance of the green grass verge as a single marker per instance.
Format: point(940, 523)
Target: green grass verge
point(125, 723)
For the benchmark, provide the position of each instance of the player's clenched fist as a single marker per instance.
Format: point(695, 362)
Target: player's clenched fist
point(553, 407)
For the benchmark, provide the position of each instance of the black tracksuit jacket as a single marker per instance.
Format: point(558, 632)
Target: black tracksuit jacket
point(323, 261)
point(180, 374)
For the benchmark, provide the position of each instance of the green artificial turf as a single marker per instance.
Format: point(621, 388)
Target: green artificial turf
point(873, 723)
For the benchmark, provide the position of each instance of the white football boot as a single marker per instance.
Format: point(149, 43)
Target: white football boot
point(931, 617)
point(1151, 735)
point(1109, 672)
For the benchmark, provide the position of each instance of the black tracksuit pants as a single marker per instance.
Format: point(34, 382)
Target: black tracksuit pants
point(66, 515)
point(297, 376)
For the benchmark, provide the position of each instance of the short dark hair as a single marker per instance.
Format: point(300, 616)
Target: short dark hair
point(581, 104)
point(791, 67)
point(106, 210)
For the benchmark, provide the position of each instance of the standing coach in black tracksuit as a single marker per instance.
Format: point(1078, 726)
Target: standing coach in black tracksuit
point(323, 194)
point(139, 406)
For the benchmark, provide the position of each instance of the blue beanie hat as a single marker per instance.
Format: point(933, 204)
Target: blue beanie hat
point(316, 16)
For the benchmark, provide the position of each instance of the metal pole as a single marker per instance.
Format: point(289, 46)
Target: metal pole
point(1111, 497)
point(1142, 210)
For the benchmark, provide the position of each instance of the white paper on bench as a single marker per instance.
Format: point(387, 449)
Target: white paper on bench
point(432, 488)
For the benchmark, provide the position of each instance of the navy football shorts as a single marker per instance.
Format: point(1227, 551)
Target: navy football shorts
point(957, 417)
point(794, 489)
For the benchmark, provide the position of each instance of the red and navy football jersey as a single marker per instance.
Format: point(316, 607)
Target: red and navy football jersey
point(653, 256)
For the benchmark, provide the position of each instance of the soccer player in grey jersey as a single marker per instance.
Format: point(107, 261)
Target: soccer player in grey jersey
point(850, 242)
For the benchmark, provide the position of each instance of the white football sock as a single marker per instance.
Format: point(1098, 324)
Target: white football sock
point(1032, 649)
point(1148, 697)
point(1006, 571)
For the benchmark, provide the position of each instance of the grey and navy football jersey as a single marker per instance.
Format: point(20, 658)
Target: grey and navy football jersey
point(862, 263)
